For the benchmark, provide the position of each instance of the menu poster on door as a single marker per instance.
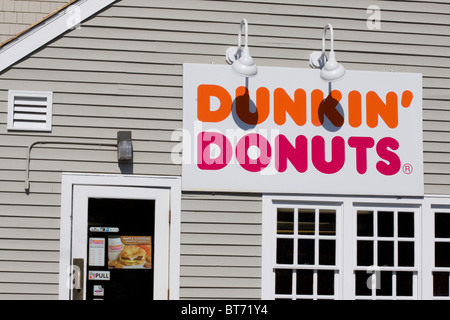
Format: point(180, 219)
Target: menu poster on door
point(97, 252)
point(130, 252)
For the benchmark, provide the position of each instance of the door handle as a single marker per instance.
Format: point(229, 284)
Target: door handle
point(78, 279)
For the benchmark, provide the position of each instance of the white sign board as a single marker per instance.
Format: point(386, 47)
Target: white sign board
point(288, 131)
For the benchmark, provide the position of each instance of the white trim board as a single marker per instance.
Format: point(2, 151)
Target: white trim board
point(70, 180)
point(49, 29)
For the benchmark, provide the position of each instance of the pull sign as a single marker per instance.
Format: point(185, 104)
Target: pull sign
point(103, 229)
point(99, 275)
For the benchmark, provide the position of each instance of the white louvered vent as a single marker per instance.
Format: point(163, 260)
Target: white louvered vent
point(30, 110)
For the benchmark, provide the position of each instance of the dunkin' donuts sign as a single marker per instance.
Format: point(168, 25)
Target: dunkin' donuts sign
point(288, 131)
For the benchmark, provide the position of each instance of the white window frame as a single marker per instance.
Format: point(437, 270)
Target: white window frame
point(424, 222)
point(30, 125)
point(315, 267)
point(437, 208)
point(396, 208)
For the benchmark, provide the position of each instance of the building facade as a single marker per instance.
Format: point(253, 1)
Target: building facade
point(98, 72)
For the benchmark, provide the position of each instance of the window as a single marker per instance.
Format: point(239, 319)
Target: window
point(441, 272)
point(386, 254)
point(30, 111)
point(327, 247)
point(307, 242)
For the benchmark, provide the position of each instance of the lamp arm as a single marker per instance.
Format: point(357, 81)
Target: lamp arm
point(328, 26)
point(244, 23)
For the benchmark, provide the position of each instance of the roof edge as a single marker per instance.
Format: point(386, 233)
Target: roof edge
point(48, 29)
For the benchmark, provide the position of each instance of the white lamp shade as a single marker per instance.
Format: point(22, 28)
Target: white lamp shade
point(332, 70)
point(245, 66)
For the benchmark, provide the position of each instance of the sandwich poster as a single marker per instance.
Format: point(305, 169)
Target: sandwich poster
point(130, 252)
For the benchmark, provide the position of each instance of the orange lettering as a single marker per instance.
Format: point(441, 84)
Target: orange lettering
point(407, 99)
point(283, 104)
point(354, 109)
point(387, 111)
point(204, 113)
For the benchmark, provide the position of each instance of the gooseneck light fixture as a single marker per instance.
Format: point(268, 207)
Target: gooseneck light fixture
point(240, 59)
point(331, 69)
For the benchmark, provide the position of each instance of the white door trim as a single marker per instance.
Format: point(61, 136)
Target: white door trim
point(70, 181)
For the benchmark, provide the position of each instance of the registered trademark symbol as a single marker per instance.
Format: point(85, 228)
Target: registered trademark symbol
point(407, 168)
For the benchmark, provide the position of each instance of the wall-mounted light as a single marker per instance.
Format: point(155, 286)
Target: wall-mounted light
point(240, 59)
point(331, 69)
point(124, 146)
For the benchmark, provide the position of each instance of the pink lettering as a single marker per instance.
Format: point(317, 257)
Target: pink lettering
point(338, 155)
point(262, 160)
point(297, 155)
point(205, 140)
point(361, 144)
point(384, 153)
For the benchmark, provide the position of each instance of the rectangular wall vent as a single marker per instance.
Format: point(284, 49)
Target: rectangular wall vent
point(30, 111)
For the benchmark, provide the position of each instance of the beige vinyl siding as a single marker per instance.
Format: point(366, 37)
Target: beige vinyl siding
point(220, 246)
point(123, 71)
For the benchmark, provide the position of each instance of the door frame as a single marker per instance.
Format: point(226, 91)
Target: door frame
point(71, 180)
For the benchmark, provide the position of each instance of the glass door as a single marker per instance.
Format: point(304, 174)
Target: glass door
point(120, 242)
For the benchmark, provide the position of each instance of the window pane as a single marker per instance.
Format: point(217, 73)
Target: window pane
point(306, 251)
point(385, 224)
point(325, 283)
point(406, 224)
point(406, 254)
point(283, 281)
point(386, 253)
point(361, 287)
point(285, 251)
point(365, 223)
point(285, 221)
point(405, 284)
point(442, 225)
point(442, 252)
point(327, 226)
point(365, 253)
point(385, 288)
point(441, 284)
point(327, 252)
point(306, 222)
point(305, 281)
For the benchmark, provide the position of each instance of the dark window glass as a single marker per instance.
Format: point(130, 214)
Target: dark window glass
point(327, 252)
point(365, 253)
point(305, 281)
point(306, 222)
point(325, 283)
point(441, 284)
point(285, 251)
point(442, 225)
point(385, 224)
point(442, 254)
point(385, 288)
point(406, 254)
point(283, 281)
point(285, 221)
point(365, 224)
point(406, 224)
point(386, 253)
point(327, 226)
point(306, 251)
point(361, 287)
point(405, 284)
